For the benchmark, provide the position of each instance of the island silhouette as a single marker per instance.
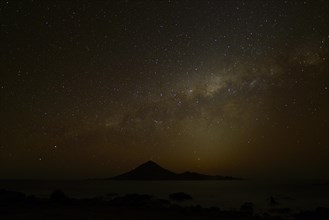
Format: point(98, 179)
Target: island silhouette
point(152, 171)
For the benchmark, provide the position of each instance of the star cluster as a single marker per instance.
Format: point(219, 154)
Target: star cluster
point(90, 89)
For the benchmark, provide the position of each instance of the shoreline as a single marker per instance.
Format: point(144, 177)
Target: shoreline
point(17, 205)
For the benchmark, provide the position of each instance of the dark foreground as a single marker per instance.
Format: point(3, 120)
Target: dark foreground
point(15, 205)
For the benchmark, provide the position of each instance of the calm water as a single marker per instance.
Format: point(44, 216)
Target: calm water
point(224, 194)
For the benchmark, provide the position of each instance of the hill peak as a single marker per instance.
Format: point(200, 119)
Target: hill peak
point(150, 170)
point(150, 163)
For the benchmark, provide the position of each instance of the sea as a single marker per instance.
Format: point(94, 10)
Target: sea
point(227, 195)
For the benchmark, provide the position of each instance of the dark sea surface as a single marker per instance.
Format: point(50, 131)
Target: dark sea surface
point(296, 195)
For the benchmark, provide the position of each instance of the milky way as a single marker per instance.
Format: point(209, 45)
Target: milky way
point(219, 87)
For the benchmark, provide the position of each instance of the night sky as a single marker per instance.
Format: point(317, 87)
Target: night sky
point(93, 89)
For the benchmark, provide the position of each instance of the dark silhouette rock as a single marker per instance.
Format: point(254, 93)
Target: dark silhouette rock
point(14, 205)
point(180, 196)
point(11, 196)
point(247, 207)
point(213, 209)
point(152, 171)
point(59, 196)
point(280, 210)
point(196, 209)
point(320, 213)
point(32, 199)
point(138, 200)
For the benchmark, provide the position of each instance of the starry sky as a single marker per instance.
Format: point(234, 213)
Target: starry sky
point(93, 89)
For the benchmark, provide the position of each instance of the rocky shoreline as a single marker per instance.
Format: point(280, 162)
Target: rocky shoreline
point(16, 205)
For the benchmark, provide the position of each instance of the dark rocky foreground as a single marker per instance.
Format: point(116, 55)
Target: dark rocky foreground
point(15, 205)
